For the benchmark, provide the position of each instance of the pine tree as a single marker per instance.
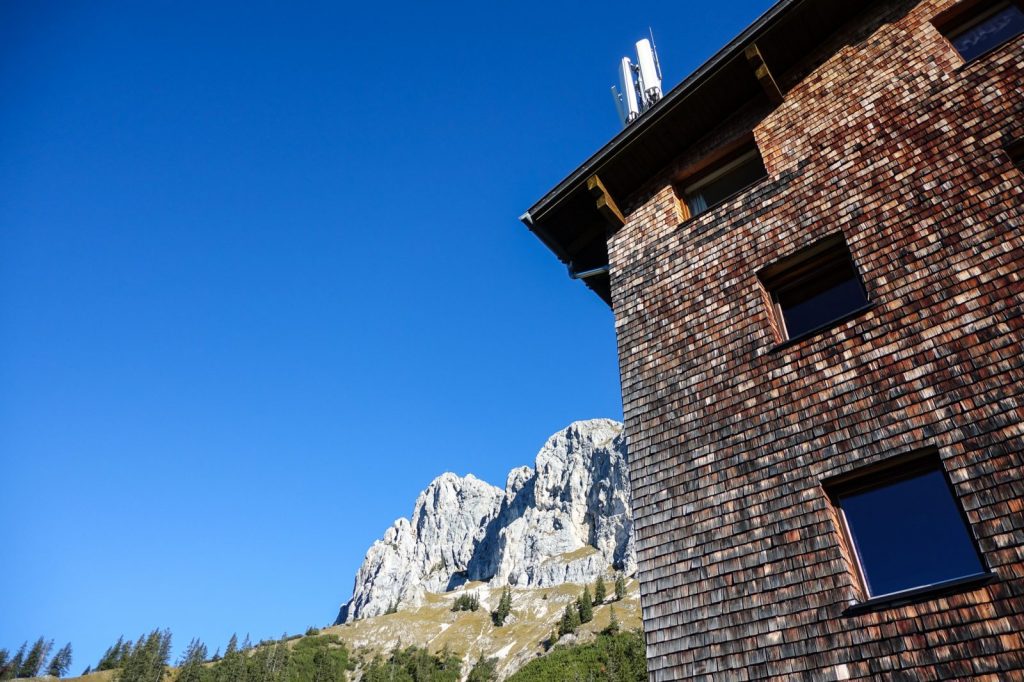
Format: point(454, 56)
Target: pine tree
point(123, 653)
point(600, 591)
point(499, 615)
point(586, 606)
point(87, 671)
point(232, 666)
point(113, 656)
point(190, 666)
point(620, 587)
point(147, 659)
point(15, 663)
point(570, 621)
point(61, 662)
point(36, 658)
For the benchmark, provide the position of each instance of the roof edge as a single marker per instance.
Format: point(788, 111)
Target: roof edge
point(675, 96)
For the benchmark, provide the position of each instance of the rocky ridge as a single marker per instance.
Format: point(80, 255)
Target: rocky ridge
point(566, 520)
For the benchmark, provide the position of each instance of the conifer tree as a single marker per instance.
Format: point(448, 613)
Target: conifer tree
point(499, 615)
point(61, 662)
point(586, 606)
point(190, 666)
point(600, 591)
point(87, 671)
point(35, 658)
point(570, 620)
point(113, 656)
point(147, 660)
point(14, 665)
point(232, 666)
point(620, 587)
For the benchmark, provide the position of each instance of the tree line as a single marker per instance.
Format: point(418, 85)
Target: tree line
point(314, 658)
point(35, 660)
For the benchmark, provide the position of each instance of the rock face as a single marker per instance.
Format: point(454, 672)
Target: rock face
point(568, 519)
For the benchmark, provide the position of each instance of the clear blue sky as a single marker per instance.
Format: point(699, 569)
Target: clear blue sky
point(262, 279)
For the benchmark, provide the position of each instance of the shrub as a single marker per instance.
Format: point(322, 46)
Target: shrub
point(485, 670)
point(615, 658)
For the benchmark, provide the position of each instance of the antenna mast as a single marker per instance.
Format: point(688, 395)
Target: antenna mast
point(640, 83)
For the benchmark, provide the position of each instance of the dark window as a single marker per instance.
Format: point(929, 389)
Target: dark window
point(983, 26)
point(907, 529)
point(1016, 151)
point(814, 288)
point(725, 179)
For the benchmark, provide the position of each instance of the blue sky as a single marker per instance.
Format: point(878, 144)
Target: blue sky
point(262, 279)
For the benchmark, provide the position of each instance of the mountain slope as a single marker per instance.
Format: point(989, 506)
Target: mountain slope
point(472, 635)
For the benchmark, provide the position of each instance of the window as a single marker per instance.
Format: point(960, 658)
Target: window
point(813, 288)
point(734, 174)
point(906, 529)
point(1016, 151)
point(975, 28)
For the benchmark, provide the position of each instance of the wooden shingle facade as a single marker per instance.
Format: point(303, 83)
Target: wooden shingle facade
point(891, 144)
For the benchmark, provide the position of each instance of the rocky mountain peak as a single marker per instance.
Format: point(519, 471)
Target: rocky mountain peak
point(567, 519)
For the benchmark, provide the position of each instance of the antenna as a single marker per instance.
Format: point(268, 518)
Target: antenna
point(650, 81)
point(657, 62)
point(640, 83)
point(625, 99)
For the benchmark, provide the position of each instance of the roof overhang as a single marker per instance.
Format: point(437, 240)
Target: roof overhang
point(567, 218)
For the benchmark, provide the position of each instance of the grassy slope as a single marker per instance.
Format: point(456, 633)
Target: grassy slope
point(535, 612)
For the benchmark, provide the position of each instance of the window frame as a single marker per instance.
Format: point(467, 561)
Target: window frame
point(967, 14)
point(715, 170)
point(799, 267)
point(881, 474)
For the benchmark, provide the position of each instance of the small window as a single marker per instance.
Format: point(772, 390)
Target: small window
point(1016, 151)
point(814, 288)
point(979, 27)
point(906, 529)
point(723, 180)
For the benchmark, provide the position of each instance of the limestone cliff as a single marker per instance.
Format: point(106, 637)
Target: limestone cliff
point(567, 519)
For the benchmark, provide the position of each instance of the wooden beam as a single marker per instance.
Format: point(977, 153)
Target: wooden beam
point(605, 203)
point(764, 76)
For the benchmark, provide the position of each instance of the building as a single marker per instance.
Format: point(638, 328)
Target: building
point(814, 250)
